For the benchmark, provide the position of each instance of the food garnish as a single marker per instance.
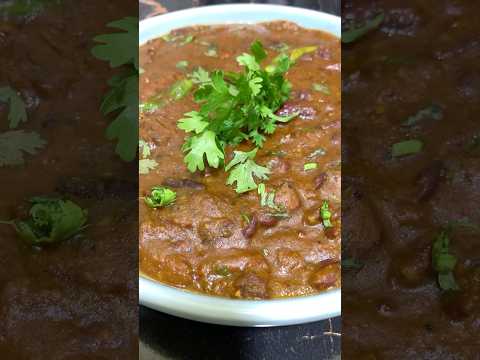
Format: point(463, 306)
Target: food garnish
point(444, 262)
point(234, 107)
point(160, 196)
point(51, 220)
point(121, 50)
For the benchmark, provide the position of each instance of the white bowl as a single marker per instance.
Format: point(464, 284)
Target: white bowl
point(218, 310)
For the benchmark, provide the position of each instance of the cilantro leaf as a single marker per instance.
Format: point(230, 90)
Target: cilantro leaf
point(407, 147)
point(144, 149)
point(200, 146)
point(201, 77)
point(119, 48)
point(160, 196)
point(267, 198)
point(180, 89)
point(123, 97)
point(258, 51)
point(13, 145)
point(17, 113)
point(326, 214)
point(310, 166)
point(193, 122)
point(244, 169)
point(433, 111)
point(444, 262)
point(234, 107)
point(50, 221)
point(146, 165)
point(354, 34)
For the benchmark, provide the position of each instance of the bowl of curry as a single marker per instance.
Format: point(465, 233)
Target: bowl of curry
point(240, 164)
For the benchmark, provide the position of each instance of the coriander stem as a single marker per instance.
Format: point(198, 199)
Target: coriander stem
point(2, 222)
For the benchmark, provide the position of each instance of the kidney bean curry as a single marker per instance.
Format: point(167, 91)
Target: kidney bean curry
point(240, 160)
point(411, 265)
point(68, 274)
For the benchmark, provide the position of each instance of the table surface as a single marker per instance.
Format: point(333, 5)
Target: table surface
point(165, 337)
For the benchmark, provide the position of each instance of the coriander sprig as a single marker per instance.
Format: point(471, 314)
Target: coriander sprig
point(160, 196)
point(236, 107)
point(50, 220)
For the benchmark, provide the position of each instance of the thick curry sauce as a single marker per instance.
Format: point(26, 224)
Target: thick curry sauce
point(216, 241)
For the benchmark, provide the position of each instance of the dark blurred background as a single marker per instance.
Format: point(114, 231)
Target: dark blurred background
point(167, 337)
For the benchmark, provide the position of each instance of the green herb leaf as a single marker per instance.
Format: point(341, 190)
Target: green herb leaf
point(201, 77)
point(267, 198)
point(160, 196)
point(244, 169)
point(326, 215)
point(119, 48)
point(310, 166)
point(200, 146)
point(407, 147)
point(317, 153)
point(444, 262)
point(183, 65)
point(354, 34)
point(181, 88)
point(258, 51)
point(146, 165)
point(187, 40)
point(13, 145)
point(322, 88)
point(235, 107)
point(431, 112)
point(193, 122)
point(211, 51)
point(17, 113)
point(123, 97)
point(50, 221)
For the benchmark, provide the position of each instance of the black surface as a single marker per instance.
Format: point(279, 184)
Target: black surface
point(166, 337)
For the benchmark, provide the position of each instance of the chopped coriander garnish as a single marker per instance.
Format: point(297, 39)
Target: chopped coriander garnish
point(146, 165)
point(180, 89)
point(431, 112)
point(354, 34)
point(325, 214)
point(188, 39)
point(244, 169)
point(121, 50)
point(211, 51)
point(150, 106)
point(222, 270)
point(321, 88)
point(14, 144)
point(317, 153)
point(236, 107)
point(444, 262)
point(266, 198)
point(407, 147)
point(310, 166)
point(17, 113)
point(160, 196)
point(183, 65)
point(51, 220)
